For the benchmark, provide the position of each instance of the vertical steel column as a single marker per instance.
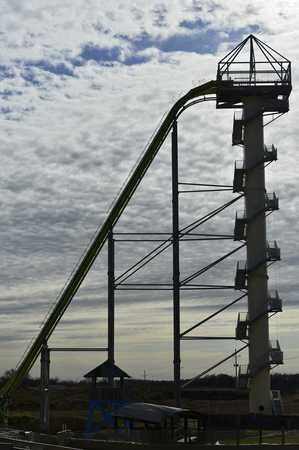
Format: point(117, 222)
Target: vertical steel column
point(111, 297)
point(44, 387)
point(259, 395)
point(176, 266)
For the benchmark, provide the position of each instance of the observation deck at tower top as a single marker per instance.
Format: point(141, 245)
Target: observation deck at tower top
point(253, 68)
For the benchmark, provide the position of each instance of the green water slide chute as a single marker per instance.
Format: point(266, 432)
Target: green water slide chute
point(96, 245)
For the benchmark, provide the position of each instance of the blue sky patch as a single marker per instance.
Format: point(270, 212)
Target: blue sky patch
point(100, 54)
point(29, 75)
point(56, 69)
point(6, 93)
point(5, 110)
point(136, 59)
point(104, 55)
point(6, 72)
point(193, 24)
point(199, 41)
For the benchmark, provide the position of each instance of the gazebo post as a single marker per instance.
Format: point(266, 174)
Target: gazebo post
point(185, 429)
point(172, 428)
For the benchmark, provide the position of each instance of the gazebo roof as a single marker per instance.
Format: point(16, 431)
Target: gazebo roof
point(151, 413)
point(107, 370)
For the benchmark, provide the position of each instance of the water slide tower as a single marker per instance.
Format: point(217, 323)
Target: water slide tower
point(257, 80)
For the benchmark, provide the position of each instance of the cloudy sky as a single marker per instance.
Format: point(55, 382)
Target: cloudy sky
point(83, 86)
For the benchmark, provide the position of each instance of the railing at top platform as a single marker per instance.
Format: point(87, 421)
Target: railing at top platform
point(262, 65)
point(243, 76)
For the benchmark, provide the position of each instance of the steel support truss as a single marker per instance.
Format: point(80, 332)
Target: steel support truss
point(175, 239)
point(178, 236)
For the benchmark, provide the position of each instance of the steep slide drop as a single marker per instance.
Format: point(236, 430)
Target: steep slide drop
point(96, 245)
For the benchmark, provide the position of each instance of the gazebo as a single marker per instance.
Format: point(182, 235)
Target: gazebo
point(108, 372)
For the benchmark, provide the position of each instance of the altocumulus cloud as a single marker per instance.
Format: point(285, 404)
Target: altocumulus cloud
point(82, 88)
